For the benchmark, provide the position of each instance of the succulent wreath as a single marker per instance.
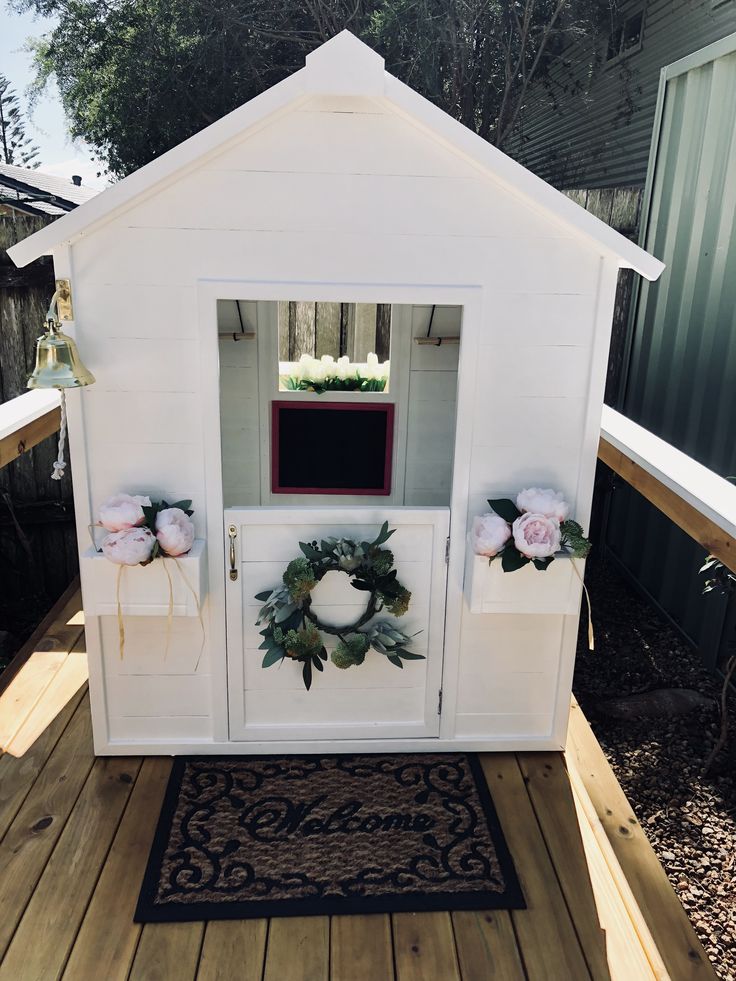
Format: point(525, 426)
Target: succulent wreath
point(294, 631)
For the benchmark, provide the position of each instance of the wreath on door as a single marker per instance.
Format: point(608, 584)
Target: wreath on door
point(292, 628)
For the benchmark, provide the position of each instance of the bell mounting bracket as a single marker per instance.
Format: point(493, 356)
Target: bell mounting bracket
point(64, 308)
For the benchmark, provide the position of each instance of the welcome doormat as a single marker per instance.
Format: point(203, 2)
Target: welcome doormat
point(297, 835)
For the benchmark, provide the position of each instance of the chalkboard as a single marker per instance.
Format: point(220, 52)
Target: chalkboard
point(331, 447)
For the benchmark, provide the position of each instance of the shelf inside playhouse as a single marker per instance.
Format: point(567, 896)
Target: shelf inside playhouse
point(144, 590)
point(556, 590)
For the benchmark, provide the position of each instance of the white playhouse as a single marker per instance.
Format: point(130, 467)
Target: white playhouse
point(332, 309)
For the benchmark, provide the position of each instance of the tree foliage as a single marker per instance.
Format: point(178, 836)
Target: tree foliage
point(16, 147)
point(138, 76)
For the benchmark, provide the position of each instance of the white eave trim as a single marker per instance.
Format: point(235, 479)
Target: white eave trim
point(346, 66)
point(520, 180)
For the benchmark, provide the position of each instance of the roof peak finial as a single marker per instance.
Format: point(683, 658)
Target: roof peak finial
point(344, 65)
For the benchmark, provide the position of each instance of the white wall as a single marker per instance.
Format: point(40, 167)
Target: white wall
point(341, 191)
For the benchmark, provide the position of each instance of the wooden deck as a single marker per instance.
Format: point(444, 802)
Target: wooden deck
point(75, 833)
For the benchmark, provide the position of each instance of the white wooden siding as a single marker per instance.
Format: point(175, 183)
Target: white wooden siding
point(447, 225)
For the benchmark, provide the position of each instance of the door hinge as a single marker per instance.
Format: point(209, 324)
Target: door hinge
point(439, 703)
point(447, 550)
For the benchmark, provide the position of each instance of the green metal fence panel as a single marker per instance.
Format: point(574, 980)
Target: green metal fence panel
point(681, 381)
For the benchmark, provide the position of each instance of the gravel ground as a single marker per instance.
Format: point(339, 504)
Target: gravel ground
point(689, 819)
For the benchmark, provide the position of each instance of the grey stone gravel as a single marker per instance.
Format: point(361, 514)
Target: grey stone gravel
point(689, 818)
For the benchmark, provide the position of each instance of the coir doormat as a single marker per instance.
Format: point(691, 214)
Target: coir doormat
point(297, 835)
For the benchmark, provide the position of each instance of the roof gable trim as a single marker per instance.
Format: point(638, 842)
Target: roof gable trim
point(344, 66)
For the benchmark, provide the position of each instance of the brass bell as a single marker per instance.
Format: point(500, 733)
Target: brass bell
point(58, 364)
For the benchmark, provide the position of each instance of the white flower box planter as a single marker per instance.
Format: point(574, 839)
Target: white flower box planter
point(144, 590)
point(491, 590)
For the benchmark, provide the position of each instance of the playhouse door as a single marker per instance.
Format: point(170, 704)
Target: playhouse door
point(374, 700)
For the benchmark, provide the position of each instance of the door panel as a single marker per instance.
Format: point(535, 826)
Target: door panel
point(373, 700)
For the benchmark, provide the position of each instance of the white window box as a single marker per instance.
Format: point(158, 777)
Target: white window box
point(144, 590)
point(491, 590)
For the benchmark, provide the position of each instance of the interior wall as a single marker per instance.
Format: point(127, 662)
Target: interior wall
point(430, 439)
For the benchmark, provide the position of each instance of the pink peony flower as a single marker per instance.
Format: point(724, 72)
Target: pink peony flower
point(536, 536)
point(174, 531)
point(129, 547)
point(548, 502)
point(490, 533)
point(123, 511)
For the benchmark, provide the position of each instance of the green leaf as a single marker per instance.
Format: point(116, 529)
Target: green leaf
point(362, 585)
point(310, 552)
point(512, 559)
point(182, 505)
point(396, 660)
point(262, 597)
point(307, 674)
point(506, 509)
point(543, 564)
point(274, 655)
point(383, 535)
point(284, 612)
point(409, 656)
point(317, 663)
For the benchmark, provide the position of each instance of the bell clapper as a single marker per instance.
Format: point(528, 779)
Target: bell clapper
point(60, 462)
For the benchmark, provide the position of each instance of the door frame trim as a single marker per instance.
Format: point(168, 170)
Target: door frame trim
point(470, 298)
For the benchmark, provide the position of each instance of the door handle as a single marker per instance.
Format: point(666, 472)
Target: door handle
point(233, 533)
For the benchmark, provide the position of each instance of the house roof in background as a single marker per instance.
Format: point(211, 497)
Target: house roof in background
point(36, 193)
point(341, 66)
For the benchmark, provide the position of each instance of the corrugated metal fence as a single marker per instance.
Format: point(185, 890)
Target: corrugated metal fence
point(681, 381)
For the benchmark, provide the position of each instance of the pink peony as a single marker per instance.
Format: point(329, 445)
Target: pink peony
point(548, 502)
point(490, 533)
point(123, 511)
point(175, 531)
point(129, 547)
point(536, 536)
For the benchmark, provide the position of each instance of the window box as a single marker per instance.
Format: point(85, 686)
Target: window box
point(491, 590)
point(144, 590)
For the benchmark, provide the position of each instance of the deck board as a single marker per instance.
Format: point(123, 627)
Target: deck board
point(233, 949)
point(36, 828)
point(547, 938)
point(487, 946)
point(47, 929)
point(98, 950)
point(75, 833)
point(548, 787)
point(673, 934)
point(424, 947)
point(361, 948)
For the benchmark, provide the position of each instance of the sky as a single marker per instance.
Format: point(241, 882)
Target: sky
point(47, 126)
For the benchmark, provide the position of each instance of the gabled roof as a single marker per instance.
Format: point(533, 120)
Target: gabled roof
point(34, 192)
point(342, 66)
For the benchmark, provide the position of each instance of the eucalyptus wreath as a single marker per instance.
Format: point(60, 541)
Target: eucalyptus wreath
point(292, 628)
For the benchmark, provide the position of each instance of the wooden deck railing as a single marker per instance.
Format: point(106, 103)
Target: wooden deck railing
point(699, 501)
point(25, 421)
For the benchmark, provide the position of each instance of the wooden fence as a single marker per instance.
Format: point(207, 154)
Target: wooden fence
point(38, 552)
point(337, 329)
point(621, 209)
